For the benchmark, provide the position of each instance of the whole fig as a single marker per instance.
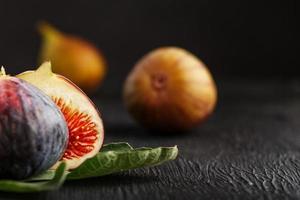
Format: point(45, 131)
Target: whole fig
point(171, 90)
point(33, 131)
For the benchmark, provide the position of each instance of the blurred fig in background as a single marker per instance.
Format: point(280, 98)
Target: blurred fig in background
point(72, 57)
point(170, 90)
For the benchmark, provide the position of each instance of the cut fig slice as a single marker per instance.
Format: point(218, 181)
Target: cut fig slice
point(85, 126)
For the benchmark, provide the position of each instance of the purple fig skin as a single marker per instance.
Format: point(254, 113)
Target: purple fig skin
point(33, 132)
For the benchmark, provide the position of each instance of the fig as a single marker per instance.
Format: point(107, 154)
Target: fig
point(84, 123)
point(33, 131)
point(170, 90)
point(73, 57)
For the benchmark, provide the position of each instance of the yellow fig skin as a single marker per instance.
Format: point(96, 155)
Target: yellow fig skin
point(171, 90)
point(72, 57)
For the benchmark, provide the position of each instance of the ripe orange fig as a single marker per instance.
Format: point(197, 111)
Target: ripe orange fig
point(85, 126)
point(170, 89)
point(72, 57)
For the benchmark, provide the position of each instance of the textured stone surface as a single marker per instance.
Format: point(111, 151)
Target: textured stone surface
point(249, 149)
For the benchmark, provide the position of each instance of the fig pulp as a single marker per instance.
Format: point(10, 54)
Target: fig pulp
point(72, 57)
point(33, 132)
point(170, 90)
point(84, 123)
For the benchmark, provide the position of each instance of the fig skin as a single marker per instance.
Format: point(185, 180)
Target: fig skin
point(73, 57)
point(86, 132)
point(33, 132)
point(170, 90)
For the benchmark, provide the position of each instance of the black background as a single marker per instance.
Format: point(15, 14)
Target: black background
point(248, 149)
point(244, 39)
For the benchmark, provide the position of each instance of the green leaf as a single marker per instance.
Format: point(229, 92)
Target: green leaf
point(22, 186)
point(118, 157)
point(47, 175)
point(118, 146)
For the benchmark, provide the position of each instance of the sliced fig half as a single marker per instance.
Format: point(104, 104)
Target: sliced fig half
point(85, 126)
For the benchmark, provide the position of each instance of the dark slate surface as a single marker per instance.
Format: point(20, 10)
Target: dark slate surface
point(249, 149)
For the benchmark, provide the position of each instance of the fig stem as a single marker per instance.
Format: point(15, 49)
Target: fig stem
point(2, 71)
point(46, 30)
